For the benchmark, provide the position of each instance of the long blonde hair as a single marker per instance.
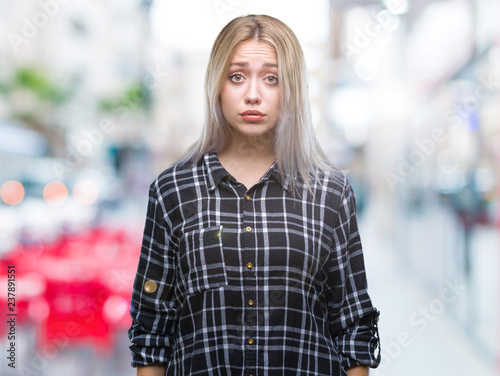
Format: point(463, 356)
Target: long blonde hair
point(297, 151)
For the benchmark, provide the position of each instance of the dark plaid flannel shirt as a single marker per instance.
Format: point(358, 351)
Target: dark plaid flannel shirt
point(233, 281)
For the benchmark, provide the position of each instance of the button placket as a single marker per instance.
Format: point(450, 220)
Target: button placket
point(249, 283)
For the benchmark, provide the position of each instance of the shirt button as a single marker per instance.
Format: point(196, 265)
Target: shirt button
point(150, 286)
point(250, 341)
point(247, 197)
point(250, 302)
point(249, 265)
point(248, 229)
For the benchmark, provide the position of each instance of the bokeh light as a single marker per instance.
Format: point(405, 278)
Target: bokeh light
point(116, 309)
point(12, 192)
point(55, 193)
point(85, 192)
point(38, 310)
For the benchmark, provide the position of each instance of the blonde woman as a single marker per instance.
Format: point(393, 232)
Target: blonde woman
point(251, 261)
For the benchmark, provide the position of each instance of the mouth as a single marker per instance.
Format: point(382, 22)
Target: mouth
point(252, 115)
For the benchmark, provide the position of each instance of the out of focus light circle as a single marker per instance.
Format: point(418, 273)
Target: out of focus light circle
point(12, 192)
point(85, 192)
point(38, 310)
point(55, 193)
point(31, 285)
point(116, 308)
point(448, 161)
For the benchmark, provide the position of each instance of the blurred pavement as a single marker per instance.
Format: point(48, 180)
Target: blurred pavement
point(421, 332)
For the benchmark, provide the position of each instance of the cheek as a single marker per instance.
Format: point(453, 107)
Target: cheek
point(277, 103)
point(225, 100)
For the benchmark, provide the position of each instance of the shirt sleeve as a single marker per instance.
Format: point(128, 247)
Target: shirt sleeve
point(352, 317)
point(153, 306)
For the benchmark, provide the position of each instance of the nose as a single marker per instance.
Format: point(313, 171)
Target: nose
point(253, 95)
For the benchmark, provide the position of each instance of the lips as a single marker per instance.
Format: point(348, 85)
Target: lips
point(252, 115)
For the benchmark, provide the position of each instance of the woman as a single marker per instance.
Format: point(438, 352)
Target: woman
point(251, 261)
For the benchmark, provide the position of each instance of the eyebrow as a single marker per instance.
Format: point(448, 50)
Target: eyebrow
point(265, 65)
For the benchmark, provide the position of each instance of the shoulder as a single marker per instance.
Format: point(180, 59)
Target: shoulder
point(333, 180)
point(334, 189)
point(177, 176)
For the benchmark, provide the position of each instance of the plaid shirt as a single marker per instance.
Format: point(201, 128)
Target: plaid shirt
point(251, 282)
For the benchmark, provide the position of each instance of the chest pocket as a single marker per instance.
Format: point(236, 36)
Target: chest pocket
point(201, 260)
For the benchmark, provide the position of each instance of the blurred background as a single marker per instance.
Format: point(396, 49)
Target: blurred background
point(98, 97)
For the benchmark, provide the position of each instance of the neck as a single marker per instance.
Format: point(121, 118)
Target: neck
point(249, 149)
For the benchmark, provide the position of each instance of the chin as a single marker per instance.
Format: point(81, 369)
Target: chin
point(254, 129)
point(257, 133)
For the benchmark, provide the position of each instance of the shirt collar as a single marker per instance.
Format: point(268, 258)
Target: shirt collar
point(216, 172)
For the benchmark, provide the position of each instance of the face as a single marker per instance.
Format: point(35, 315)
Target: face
point(250, 97)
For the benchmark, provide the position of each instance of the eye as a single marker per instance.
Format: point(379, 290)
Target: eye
point(236, 77)
point(272, 80)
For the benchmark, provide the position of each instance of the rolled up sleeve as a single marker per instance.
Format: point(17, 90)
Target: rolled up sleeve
point(353, 319)
point(153, 306)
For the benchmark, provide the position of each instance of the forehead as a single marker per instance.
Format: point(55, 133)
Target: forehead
point(254, 49)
